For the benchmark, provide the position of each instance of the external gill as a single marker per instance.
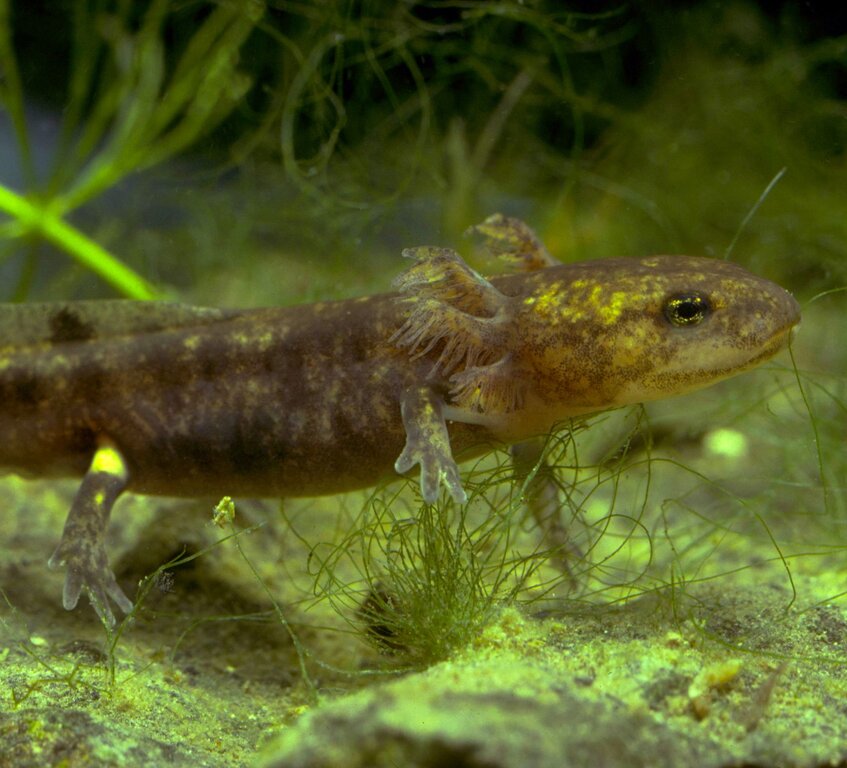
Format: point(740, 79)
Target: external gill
point(453, 306)
point(490, 388)
point(514, 242)
point(467, 341)
point(440, 273)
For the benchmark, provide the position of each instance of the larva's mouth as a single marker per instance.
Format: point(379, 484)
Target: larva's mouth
point(779, 341)
point(691, 375)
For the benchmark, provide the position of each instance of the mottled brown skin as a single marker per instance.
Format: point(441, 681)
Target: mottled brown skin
point(287, 401)
point(310, 400)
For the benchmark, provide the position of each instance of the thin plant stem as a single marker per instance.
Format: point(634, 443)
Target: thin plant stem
point(33, 218)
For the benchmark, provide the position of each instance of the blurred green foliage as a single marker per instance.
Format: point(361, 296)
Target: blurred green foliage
point(355, 101)
point(127, 107)
point(617, 128)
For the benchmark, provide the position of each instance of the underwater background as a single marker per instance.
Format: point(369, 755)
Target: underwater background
point(253, 153)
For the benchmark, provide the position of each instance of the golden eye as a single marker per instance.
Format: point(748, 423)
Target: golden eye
point(684, 309)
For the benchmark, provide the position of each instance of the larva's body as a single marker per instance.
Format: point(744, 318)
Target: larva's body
point(310, 400)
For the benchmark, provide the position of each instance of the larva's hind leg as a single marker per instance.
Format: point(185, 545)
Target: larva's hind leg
point(541, 496)
point(82, 550)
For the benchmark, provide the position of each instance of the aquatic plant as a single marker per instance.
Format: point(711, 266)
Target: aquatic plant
point(129, 107)
point(431, 577)
point(419, 582)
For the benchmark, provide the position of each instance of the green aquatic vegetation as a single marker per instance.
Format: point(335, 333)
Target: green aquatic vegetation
point(420, 582)
point(738, 98)
point(824, 400)
point(53, 675)
point(129, 107)
point(714, 524)
point(223, 516)
point(386, 98)
point(46, 670)
point(430, 577)
point(358, 103)
point(759, 516)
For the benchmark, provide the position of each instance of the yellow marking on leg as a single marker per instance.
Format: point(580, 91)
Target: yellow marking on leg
point(108, 459)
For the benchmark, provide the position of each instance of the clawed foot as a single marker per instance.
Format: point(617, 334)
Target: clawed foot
point(435, 467)
point(428, 444)
point(88, 569)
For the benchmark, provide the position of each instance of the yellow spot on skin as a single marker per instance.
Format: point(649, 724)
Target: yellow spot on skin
point(264, 341)
point(108, 460)
point(548, 303)
point(260, 343)
point(191, 342)
point(99, 498)
point(584, 299)
point(611, 311)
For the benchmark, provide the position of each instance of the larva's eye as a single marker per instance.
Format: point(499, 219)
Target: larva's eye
point(685, 309)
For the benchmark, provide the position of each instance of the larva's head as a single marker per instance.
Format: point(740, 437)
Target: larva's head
point(620, 331)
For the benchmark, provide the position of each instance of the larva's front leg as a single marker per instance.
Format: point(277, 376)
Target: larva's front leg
point(428, 444)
